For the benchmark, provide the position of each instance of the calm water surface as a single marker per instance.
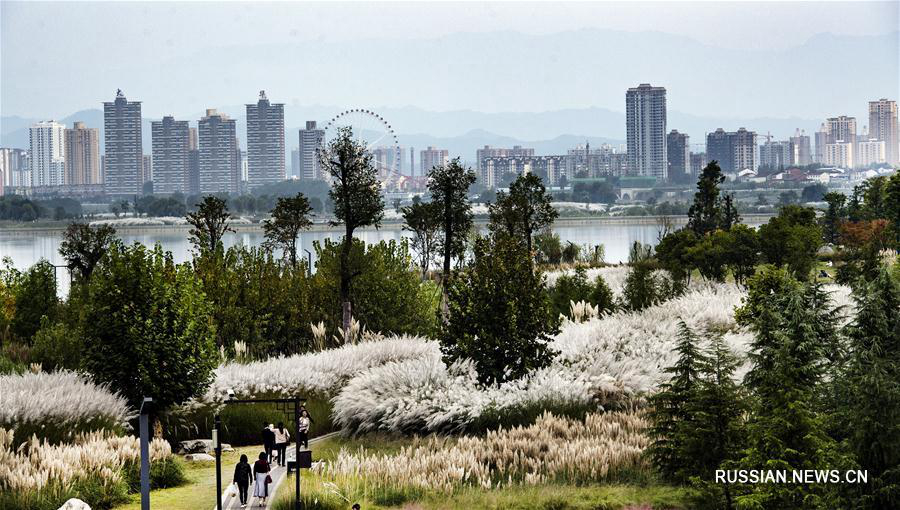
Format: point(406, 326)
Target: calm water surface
point(26, 248)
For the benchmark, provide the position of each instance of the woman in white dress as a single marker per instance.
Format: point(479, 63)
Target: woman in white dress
point(261, 471)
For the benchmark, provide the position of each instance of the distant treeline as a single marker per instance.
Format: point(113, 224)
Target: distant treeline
point(19, 208)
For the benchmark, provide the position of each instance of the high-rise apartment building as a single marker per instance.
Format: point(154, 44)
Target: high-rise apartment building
point(82, 155)
point(432, 157)
point(822, 137)
point(645, 118)
point(295, 163)
point(123, 162)
point(870, 152)
point(171, 155)
point(841, 129)
point(840, 154)
point(14, 168)
point(800, 149)
point(698, 163)
point(496, 152)
point(219, 164)
point(883, 127)
point(265, 142)
point(47, 153)
point(501, 169)
point(775, 155)
point(678, 155)
point(310, 142)
point(734, 150)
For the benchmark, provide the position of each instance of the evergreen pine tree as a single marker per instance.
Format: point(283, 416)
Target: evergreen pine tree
point(872, 382)
point(672, 410)
point(718, 410)
point(705, 214)
point(785, 432)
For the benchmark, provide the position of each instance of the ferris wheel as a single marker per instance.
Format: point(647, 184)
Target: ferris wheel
point(372, 131)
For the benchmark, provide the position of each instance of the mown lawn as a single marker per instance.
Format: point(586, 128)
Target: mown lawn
point(199, 493)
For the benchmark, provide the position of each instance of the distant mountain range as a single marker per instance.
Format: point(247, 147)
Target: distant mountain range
point(462, 132)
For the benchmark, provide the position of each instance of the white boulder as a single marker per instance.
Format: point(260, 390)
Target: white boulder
point(75, 504)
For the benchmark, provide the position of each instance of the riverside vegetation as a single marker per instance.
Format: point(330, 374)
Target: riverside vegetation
point(639, 365)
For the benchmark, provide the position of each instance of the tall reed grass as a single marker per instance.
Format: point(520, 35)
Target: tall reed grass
point(38, 475)
point(60, 405)
point(601, 448)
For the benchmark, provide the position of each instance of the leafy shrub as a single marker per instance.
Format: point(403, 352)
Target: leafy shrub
point(57, 346)
point(164, 473)
point(575, 287)
point(387, 295)
point(35, 298)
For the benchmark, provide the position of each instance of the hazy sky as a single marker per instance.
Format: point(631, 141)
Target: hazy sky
point(63, 43)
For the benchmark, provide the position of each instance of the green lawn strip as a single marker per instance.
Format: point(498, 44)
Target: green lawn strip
point(199, 493)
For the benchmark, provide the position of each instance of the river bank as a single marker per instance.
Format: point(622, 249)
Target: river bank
point(390, 225)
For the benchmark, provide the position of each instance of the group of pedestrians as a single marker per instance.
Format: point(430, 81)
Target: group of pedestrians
point(275, 442)
point(244, 476)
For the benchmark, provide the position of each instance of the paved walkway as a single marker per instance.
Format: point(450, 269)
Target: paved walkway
point(278, 475)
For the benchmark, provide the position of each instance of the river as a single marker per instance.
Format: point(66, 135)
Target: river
point(27, 246)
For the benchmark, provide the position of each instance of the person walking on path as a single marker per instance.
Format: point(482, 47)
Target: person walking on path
point(243, 477)
point(303, 428)
point(282, 438)
point(268, 436)
point(261, 471)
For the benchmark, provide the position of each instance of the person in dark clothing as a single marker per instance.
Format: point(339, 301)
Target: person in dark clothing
point(243, 478)
point(261, 471)
point(268, 436)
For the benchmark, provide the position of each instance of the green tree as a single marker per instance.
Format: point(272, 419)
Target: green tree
point(209, 222)
point(500, 314)
point(871, 410)
point(549, 248)
point(705, 214)
point(672, 413)
point(356, 193)
point(792, 239)
point(147, 327)
point(423, 220)
point(835, 214)
point(83, 246)
point(813, 192)
point(673, 254)
point(741, 252)
point(289, 217)
point(786, 198)
point(892, 206)
point(710, 255)
point(449, 186)
point(717, 434)
point(784, 430)
point(35, 298)
point(525, 210)
point(730, 216)
point(257, 300)
point(388, 295)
